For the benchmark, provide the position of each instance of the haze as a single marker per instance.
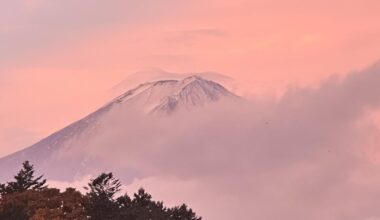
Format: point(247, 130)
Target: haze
point(303, 146)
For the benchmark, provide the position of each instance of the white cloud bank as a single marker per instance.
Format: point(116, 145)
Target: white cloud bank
point(312, 155)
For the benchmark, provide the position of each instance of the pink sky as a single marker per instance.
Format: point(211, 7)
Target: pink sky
point(58, 59)
point(306, 145)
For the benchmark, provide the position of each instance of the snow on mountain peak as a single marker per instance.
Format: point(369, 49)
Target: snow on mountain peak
point(191, 79)
point(164, 96)
point(168, 95)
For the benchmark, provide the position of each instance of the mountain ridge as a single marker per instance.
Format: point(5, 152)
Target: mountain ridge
point(161, 97)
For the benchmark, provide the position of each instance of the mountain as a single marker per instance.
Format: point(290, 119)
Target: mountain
point(155, 74)
point(168, 95)
point(160, 98)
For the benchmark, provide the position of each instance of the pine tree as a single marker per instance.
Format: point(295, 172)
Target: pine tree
point(28, 198)
point(24, 180)
point(143, 207)
point(183, 213)
point(100, 198)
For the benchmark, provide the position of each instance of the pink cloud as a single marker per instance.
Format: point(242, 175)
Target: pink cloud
point(309, 155)
point(59, 58)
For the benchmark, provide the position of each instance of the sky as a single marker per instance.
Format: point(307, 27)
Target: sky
point(311, 154)
point(59, 59)
point(310, 69)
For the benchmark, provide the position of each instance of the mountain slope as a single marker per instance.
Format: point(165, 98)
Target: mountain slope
point(168, 95)
point(157, 98)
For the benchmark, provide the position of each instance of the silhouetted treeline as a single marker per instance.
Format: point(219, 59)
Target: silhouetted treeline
point(27, 197)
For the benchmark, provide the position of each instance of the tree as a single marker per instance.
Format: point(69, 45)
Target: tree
point(28, 198)
point(141, 207)
point(24, 180)
point(144, 208)
point(100, 202)
point(48, 203)
point(183, 213)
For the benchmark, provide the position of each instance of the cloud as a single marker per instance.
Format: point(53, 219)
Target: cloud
point(30, 28)
point(156, 74)
point(187, 36)
point(78, 184)
point(304, 156)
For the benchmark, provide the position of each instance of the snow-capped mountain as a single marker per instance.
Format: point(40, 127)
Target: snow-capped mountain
point(159, 98)
point(169, 95)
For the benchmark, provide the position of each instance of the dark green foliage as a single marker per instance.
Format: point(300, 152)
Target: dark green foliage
point(142, 207)
point(183, 213)
point(24, 180)
point(100, 198)
point(28, 198)
point(47, 203)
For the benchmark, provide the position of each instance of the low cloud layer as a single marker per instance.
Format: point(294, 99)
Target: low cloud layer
point(309, 155)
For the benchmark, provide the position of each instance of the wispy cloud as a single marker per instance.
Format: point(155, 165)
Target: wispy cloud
point(305, 156)
point(195, 34)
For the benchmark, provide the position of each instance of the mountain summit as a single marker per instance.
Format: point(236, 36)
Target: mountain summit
point(160, 97)
point(169, 95)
